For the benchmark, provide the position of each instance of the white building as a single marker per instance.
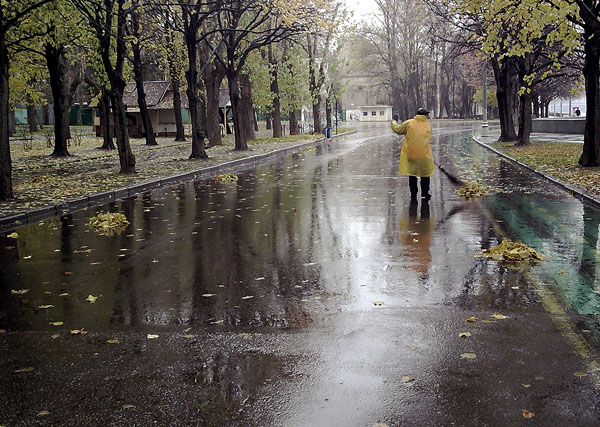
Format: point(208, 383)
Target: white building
point(374, 113)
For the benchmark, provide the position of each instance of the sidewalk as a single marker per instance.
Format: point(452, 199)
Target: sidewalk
point(580, 182)
point(45, 186)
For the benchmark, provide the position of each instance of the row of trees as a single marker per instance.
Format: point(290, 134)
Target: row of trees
point(431, 54)
point(271, 54)
point(418, 59)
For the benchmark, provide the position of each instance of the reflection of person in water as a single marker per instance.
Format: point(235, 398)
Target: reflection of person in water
point(416, 234)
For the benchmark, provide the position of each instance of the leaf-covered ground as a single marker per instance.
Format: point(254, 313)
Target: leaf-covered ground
point(558, 159)
point(41, 180)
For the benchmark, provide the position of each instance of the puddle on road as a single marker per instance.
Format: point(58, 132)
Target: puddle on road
point(545, 217)
point(293, 241)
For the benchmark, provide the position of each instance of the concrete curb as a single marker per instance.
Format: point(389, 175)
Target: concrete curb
point(577, 192)
point(70, 206)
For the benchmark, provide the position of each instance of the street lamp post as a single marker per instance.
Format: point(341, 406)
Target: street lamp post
point(484, 124)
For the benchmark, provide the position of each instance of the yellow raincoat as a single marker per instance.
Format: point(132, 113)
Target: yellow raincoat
point(416, 158)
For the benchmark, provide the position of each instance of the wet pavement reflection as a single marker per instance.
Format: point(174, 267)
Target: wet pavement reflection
point(293, 294)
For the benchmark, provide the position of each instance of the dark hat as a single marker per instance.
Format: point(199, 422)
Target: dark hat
point(423, 111)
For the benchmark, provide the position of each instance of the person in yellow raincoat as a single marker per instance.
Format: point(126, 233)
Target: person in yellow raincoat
point(416, 158)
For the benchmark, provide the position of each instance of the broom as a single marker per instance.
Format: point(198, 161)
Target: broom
point(453, 178)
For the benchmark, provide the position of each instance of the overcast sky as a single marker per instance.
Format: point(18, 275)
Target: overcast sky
point(361, 8)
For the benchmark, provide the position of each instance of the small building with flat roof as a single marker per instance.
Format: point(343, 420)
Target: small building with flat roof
point(374, 113)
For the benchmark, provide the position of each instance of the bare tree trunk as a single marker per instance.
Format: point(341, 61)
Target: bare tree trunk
point(239, 119)
point(524, 120)
point(45, 114)
point(12, 122)
point(180, 131)
point(502, 74)
point(105, 121)
point(126, 157)
point(254, 120)
point(6, 191)
point(191, 75)
point(293, 123)
point(56, 71)
point(247, 107)
point(32, 119)
point(591, 70)
point(536, 104)
point(139, 84)
point(213, 119)
point(317, 116)
point(277, 129)
point(269, 123)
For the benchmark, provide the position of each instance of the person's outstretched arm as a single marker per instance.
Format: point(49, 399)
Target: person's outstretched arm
point(400, 129)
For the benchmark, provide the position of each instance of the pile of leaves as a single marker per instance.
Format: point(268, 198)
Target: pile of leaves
point(513, 252)
point(108, 223)
point(473, 191)
point(228, 177)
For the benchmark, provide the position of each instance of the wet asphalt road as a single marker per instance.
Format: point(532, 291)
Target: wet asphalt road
point(309, 293)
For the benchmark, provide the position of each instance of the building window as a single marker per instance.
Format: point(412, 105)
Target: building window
point(381, 113)
point(364, 113)
point(374, 113)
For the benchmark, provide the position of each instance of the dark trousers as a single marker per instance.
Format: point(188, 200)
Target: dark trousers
point(412, 183)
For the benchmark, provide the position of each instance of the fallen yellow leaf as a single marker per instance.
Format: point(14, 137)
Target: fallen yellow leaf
point(248, 297)
point(499, 316)
point(63, 294)
point(57, 323)
point(526, 385)
point(42, 413)
point(45, 306)
point(464, 334)
point(112, 341)
point(91, 299)
point(468, 356)
point(19, 371)
point(580, 374)
point(407, 379)
point(77, 332)
point(471, 319)
point(19, 292)
point(13, 235)
point(378, 303)
point(151, 336)
point(527, 414)
point(128, 406)
point(208, 295)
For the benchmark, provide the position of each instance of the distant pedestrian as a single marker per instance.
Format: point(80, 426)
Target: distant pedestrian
point(577, 112)
point(416, 158)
